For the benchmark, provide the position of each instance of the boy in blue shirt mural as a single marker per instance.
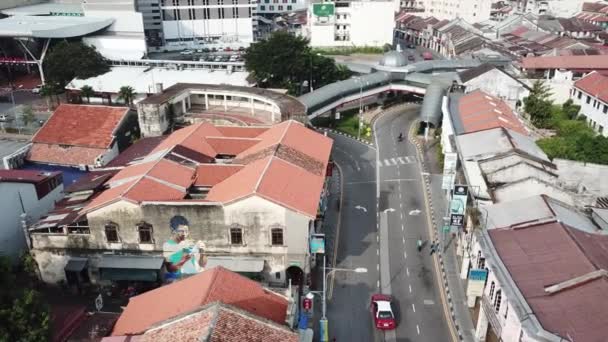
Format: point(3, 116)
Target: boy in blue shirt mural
point(183, 256)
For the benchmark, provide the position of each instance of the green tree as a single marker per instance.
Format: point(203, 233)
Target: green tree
point(570, 110)
point(69, 60)
point(126, 93)
point(27, 115)
point(538, 105)
point(24, 316)
point(286, 61)
point(87, 91)
point(50, 91)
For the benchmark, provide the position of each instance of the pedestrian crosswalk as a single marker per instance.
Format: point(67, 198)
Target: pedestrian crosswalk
point(396, 161)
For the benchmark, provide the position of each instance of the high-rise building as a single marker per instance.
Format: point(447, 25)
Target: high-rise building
point(347, 23)
point(472, 11)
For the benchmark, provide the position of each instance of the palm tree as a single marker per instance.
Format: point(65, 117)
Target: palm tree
point(87, 91)
point(48, 91)
point(126, 93)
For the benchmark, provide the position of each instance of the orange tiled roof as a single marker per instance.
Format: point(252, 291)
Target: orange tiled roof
point(594, 84)
point(64, 155)
point(593, 62)
point(479, 111)
point(219, 322)
point(214, 285)
point(79, 125)
point(208, 175)
point(231, 146)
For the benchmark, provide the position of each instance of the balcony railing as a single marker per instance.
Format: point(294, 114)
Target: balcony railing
point(488, 308)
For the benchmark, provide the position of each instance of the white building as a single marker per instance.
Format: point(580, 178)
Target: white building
point(26, 196)
point(515, 278)
point(591, 93)
point(347, 23)
point(557, 8)
point(473, 11)
point(208, 20)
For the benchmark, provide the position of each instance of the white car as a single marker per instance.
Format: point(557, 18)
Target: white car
point(186, 53)
point(36, 89)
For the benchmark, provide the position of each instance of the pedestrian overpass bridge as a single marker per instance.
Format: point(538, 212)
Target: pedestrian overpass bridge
point(428, 78)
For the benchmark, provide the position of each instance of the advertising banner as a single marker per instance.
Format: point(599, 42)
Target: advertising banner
point(460, 196)
point(477, 280)
point(317, 244)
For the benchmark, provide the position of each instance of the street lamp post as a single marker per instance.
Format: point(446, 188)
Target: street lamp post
point(326, 275)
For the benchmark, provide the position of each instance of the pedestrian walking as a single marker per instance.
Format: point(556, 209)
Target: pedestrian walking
point(434, 246)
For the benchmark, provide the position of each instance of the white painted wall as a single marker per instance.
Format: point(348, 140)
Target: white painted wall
point(496, 83)
point(124, 21)
point(593, 108)
point(472, 11)
point(531, 187)
point(358, 18)
point(12, 239)
point(518, 172)
point(235, 27)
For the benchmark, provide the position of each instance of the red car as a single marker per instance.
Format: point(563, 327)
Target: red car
point(382, 310)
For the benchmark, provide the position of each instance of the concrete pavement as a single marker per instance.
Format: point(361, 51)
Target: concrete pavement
point(348, 309)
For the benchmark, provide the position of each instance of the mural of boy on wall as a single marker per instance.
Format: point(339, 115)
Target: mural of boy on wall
point(183, 256)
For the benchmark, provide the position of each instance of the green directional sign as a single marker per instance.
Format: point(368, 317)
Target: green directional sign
point(323, 9)
point(446, 229)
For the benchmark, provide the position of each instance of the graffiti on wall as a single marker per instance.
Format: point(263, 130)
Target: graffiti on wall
point(183, 255)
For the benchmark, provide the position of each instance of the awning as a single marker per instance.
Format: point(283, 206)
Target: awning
point(127, 267)
point(76, 264)
point(237, 264)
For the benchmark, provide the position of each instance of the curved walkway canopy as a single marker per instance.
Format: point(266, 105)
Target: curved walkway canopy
point(51, 26)
point(431, 78)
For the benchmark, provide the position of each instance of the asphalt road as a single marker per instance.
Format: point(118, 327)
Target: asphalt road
point(420, 314)
point(348, 310)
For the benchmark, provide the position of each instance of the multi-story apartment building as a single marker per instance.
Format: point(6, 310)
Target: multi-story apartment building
point(472, 11)
point(207, 20)
point(347, 23)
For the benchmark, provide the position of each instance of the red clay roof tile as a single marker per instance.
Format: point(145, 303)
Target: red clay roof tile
point(78, 125)
point(63, 154)
point(595, 84)
point(479, 111)
point(208, 175)
point(594, 62)
point(216, 284)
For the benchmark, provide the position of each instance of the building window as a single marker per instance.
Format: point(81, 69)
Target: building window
point(276, 235)
point(605, 110)
point(280, 7)
point(580, 94)
point(236, 236)
point(492, 286)
point(221, 10)
point(289, 7)
point(271, 8)
point(497, 301)
point(600, 129)
point(277, 275)
point(262, 8)
point(111, 229)
point(506, 311)
point(145, 232)
point(588, 99)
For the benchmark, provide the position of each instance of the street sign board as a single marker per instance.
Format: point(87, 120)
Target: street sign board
point(457, 220)
point(460, 196)
point(446, 229)
point(477, 281)
point(317, 244)
point(323, 9)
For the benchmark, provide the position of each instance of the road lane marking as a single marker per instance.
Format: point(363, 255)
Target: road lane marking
point(403, 240)
point(410, 288)
point(401, 160)
point(377, 267)
point(413, 307)
point(418, 329)
point(402, 227)
point(377, 252)
point(378, 284)
point(429, 302)
point(394, 161)
point(407, 270)
point(358, 207)
point(401, 214)
point(404, 255)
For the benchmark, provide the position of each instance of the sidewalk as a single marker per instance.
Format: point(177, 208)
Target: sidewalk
point(329, 229)
point(455, 287)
